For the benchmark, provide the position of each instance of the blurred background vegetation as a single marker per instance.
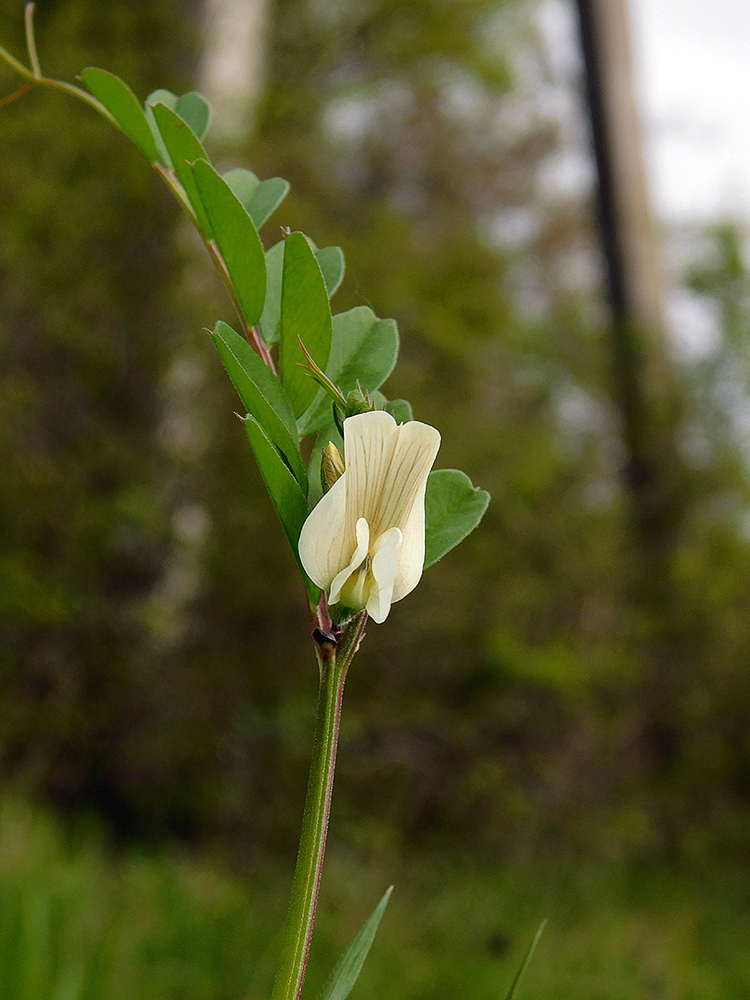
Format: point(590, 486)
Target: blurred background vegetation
point(566, 694)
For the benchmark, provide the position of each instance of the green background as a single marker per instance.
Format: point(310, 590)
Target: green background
point(554, 722)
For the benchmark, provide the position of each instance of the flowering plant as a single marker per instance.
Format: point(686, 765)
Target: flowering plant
point(365, 516)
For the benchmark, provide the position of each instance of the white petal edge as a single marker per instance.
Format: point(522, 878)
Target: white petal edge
point(323, 545)
point(411, 558)
point(385, 562)
point(359, 556)
point(415, 448)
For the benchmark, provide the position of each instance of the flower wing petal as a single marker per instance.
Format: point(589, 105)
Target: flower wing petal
point(324, 546)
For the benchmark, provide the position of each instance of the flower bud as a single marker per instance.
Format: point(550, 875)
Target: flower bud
point(331, 466)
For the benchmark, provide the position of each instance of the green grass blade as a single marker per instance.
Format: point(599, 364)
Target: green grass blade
point(349, 966)
point(511, 994)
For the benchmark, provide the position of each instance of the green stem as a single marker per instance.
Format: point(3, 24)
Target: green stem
point(45, 81)
point(31, 40)
point(333, 660)
point(15, 64)
point(252, 333)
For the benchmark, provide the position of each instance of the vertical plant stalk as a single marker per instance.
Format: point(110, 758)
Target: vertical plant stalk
point(333, 660)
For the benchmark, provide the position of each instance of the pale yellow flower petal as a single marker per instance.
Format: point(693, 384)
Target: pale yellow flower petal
point(369, 440)
point(324, 545)
point(364, 542)
point(411, 559)
point(414, 449)
point(386, 463)
point(385, 562)
point(358, 558)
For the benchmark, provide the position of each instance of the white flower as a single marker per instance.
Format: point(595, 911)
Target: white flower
point(364, 542)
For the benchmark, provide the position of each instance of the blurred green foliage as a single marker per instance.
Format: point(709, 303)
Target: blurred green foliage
point(79, 923)
point(155, 663)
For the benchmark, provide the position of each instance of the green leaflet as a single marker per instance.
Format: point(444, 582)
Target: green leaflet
point(363, 348)
point(453, 508)
point(349, 966)
point(268, 196)
point(263, 396)
point(306, 316)
point(183, 147)
point(401, 410)
point(260, 198)
point(194, 109)
point(287, 497)
point(269, 320)
point(331, 260)
point(237, 239)
point(160, 96)
point(124, 106)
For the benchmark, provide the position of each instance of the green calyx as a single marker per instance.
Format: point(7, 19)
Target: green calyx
point(359, 400)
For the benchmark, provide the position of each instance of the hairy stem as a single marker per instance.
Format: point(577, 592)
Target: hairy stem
point(334, 658)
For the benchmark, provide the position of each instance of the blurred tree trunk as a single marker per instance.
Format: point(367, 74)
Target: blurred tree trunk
point(645, 391)
point(643, 388)
point(233, 65)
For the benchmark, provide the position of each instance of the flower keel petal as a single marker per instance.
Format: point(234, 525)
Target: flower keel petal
point(385, 563)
